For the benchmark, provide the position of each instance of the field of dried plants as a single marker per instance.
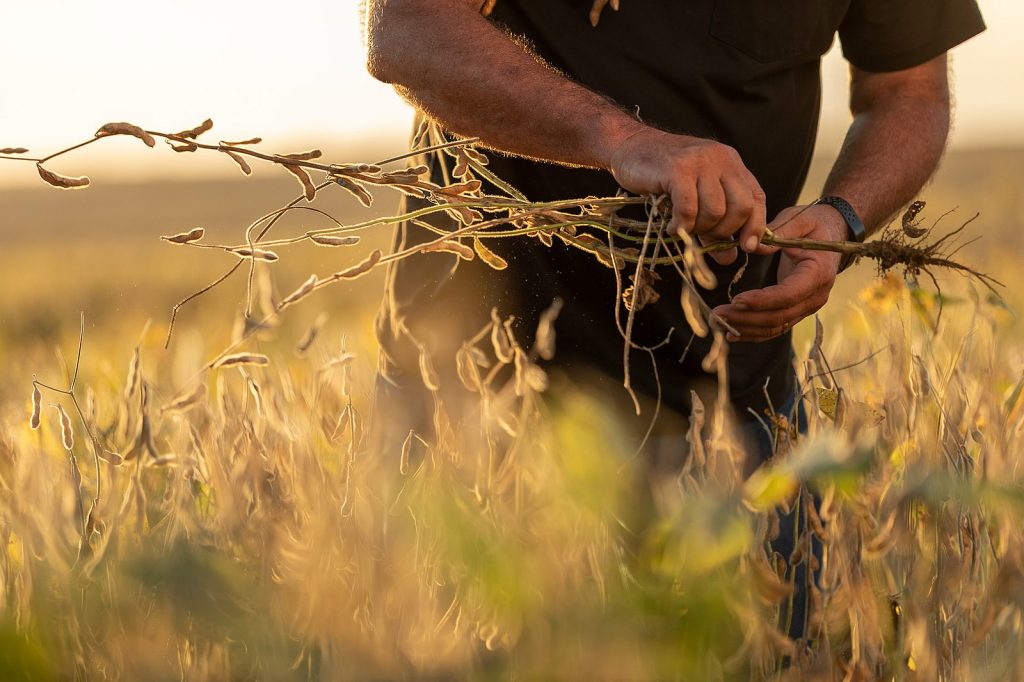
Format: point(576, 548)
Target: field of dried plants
point(199, 518)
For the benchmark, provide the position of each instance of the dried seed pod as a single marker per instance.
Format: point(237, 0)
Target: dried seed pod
point(584, 239)
point(66, 433)
point(499, 339)
point(62, 181)
point(403, 460)
point(251, 140)
point(123, 128)
point(300, 293)
point(410, 173)
point(110, 456)
point(767, 584)
point(303, 156)
point(536, 379)
point(476, 155)
point(450, 246)
point(817, 527)
point(197, 131)
point(303, 177)
point(469, 373)
point(134, 372)
point(258, 254)
point(351, 168)
point(192, 235)
point(186, 147)
point(468, 187)
point(718, 348)
point(598, 7)
point(311, 335)
point(427, 371)
point(360, 268)
point(697, 266)
point(360, 192)
point(241, 359)
point(242, 163)
point(604, 258)
point(186, 400)
point(37, 407)
point(464, 214)
point(693, 311)
point(13, 150)
point(488, 256)
point(461, 169)
point(545, 340)
point(521, 365)
point(330, 240)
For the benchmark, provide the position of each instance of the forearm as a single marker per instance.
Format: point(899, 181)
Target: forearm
point(900, 127)
point(462, 71)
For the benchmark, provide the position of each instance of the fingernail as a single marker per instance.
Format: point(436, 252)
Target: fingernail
point(751, 243)
point(731, 338)
point(740, 305)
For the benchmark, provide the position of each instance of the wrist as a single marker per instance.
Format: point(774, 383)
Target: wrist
point(613, 136)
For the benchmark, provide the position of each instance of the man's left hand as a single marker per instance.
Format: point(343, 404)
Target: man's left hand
point(804, 282)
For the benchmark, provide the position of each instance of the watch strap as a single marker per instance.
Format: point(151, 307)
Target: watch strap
point(854, 224)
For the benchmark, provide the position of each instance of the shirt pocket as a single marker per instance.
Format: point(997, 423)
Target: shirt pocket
point(778, 30)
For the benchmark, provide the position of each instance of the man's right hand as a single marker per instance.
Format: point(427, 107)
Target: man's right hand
point(714, 196)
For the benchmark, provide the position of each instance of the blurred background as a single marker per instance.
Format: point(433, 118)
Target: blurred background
point(295, 76)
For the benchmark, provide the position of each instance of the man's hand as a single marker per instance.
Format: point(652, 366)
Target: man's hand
point(714, 196)
point(804, 282)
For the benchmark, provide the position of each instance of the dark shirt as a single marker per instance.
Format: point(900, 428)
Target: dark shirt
point(743, 72)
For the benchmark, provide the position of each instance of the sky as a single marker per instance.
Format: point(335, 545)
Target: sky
point(294, 73)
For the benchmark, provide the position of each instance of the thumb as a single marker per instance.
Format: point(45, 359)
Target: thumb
point(788, 223)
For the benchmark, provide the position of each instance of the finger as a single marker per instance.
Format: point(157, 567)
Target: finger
point(757, 335)
point(760, 322)
point(713, 219)
point(787, 224)
point(684, 206)
point(723, 257)
point(711, 207)
point(753, 228)
point(802, 283)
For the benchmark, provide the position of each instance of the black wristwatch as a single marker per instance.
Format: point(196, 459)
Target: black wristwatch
point(857, 232)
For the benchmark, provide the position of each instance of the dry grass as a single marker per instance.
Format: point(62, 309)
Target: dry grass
point(255, 533)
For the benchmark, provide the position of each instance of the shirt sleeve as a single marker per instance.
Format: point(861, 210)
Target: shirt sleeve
point(891, 35)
